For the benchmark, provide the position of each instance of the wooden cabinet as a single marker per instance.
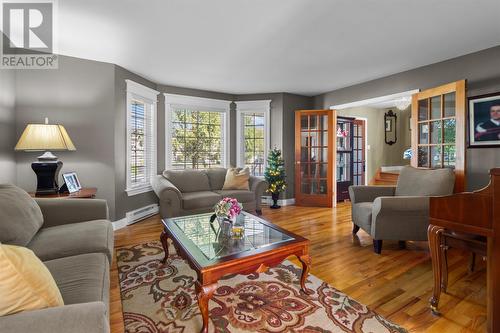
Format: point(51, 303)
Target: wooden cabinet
point(314, 157)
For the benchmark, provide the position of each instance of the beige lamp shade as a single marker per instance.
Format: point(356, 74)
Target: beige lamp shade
point(39, 137)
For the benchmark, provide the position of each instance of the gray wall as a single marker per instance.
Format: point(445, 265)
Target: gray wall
point(291, 103)
point(124, 203)
point(482, 71)
point(380, 153)
point(7, 126)
point(80, 96)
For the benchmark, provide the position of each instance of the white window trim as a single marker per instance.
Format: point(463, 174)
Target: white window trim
point(139, 92)
point(246, 107)
point(208, 104)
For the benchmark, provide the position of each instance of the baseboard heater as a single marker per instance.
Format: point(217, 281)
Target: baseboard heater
point(141, 213)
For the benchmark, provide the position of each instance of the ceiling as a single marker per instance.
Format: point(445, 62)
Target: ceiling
point(298, 46)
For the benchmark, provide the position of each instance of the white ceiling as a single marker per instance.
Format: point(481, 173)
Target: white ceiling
point(298, 46)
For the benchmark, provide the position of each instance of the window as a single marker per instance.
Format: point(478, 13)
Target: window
point(141, 137)
point(197, 132)
point(253, 135)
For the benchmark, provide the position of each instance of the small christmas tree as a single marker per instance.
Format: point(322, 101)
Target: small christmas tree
point(275, 175)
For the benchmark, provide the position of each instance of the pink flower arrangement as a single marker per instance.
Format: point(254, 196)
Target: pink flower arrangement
point(228, 207)
point(342, 133)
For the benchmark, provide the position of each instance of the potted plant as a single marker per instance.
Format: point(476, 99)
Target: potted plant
point(275, 175)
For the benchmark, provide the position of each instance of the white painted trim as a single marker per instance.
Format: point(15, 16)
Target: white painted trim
point(260, 106)
point(141, 90)
point(374, 100)
point(198, 102)
point(208, 104)
point(148, 96)
point(366, 145)
point(122, 223)
point(286, 202)
point(138, 190)
point(266, 199)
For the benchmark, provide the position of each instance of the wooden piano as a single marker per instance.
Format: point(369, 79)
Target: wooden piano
point(474, 213)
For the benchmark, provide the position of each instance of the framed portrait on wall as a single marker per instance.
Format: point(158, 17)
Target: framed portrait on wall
point(484, 120)
point(72, 182)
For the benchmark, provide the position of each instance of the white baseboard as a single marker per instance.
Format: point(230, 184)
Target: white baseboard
point(136, 215)
point(266, 200)
point(122, 223)
point(286, 202)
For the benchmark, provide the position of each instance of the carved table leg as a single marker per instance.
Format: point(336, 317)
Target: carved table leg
point(164, 242)
point(305, 260)
point(434, 234)
point(444, 267)
point(204, 293)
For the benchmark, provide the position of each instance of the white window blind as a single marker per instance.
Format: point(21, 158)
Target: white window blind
point(253, 135)
point(141, 137)
point(197, 132)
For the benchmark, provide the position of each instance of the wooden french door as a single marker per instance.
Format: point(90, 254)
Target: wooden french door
point(359, 163)
point(438, 130)
point(314, 157)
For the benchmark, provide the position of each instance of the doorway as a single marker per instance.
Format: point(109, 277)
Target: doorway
point(359, 150)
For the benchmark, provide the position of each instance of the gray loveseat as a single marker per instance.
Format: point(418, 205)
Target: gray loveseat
point(74, 239)
point(185, 192)
point(399, 212)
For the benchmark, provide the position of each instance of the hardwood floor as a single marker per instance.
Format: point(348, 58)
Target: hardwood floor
point(397, 284)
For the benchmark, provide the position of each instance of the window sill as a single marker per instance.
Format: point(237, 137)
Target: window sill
point(138, 190)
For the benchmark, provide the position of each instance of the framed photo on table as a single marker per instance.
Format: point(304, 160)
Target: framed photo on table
point(72, 182)
point(484, 120)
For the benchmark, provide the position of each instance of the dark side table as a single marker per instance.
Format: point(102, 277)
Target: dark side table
point(84, 193)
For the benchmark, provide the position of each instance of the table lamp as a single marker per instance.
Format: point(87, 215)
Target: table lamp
point(45, 137)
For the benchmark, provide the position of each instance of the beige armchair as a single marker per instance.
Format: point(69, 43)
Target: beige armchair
point(399, 212)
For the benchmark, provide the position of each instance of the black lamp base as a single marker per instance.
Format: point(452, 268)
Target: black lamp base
point(47, 174)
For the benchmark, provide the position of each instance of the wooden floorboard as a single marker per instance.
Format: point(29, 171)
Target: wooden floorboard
point(397, 284)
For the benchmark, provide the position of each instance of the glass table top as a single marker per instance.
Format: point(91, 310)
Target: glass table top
point(205, 243)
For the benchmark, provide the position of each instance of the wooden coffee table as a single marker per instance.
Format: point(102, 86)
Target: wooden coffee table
point(213, 255)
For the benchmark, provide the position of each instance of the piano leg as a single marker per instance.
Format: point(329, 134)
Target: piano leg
point(434, 235)
point(444, 267)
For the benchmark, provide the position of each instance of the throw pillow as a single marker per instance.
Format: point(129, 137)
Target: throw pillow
point(26, 282)
point(20, 216)
point(237, 179)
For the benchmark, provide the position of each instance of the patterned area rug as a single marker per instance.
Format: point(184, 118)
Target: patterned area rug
point(162, 299)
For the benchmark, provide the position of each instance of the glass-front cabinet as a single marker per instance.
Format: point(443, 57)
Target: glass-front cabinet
point(313, 157)
point(344, 163)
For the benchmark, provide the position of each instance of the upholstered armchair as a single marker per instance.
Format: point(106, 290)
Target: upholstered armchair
point(399, 212)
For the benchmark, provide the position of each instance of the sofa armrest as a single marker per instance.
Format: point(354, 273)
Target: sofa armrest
point(363, 193)
point(258, 186)
point(169, 195)
point(400, 218)
point(75, 318)
point(64, 211)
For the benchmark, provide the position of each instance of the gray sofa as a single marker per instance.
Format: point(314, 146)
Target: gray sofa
point(74, 239)
point(399, 212)
point(185, 192)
